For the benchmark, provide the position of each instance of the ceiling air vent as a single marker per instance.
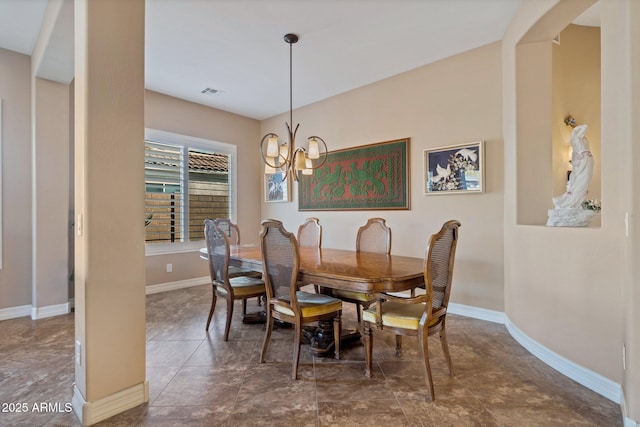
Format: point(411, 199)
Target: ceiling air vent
point(211, 91)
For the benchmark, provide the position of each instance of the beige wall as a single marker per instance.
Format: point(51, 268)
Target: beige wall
point(535, 176)
point(15, 91)
point(163, 112)
point(50, 194)
point(452, 101)
point(631, 290)
point(557, 280)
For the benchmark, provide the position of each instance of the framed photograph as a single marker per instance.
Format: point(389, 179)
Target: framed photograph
point(374, 176)
point(457, 169)
point(276, 188)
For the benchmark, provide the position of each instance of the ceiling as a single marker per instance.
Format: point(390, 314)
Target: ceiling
point(236, 46)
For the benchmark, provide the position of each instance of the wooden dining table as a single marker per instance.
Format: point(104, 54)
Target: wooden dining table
point(342, 269)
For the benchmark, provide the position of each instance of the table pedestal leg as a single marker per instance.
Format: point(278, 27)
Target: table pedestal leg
point(320, 338)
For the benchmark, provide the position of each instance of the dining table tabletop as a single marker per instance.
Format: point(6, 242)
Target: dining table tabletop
point(350, 270)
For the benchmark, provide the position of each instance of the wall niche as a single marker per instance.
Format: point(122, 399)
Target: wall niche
point(557, 76)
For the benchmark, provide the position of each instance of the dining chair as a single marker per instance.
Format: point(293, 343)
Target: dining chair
point(231, 288)
point(422, 315)
point(232, 230)
point(233, 233)
point(310, 235)
point(280, 265)
point(374, 237)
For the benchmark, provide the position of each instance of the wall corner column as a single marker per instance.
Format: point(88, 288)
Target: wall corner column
point(109, 198)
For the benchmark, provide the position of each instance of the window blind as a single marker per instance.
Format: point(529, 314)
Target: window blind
point(176, 203)
point(164, 192)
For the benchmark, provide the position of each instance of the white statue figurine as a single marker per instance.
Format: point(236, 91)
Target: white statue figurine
point(582, 163)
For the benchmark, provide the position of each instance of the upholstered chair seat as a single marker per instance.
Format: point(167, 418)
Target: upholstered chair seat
point(397, 315)
point(243, 286)
point(310, 304)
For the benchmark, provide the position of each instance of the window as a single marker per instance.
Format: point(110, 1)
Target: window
point(186, 180)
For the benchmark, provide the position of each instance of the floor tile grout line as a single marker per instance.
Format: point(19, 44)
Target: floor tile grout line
point(149, 403)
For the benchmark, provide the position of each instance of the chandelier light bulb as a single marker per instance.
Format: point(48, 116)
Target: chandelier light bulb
point(314, 151)
point(309, 167)
point(284, 152)
point(272, 146)
point(300, 160)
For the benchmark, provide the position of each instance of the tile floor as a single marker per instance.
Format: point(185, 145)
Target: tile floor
point(197, 379)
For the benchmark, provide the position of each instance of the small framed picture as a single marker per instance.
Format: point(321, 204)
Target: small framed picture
point(276, 188)
point(456, 169)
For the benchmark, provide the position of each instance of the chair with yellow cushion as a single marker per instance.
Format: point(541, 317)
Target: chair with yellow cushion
point(422, 315)
point(374, 237)
point(280, 265)
point(231, 288)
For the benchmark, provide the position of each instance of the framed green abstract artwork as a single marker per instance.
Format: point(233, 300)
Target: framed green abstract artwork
point(374, 176)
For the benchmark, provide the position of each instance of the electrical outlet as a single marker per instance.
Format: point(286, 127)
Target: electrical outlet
point(78, 353)
point(169, 268)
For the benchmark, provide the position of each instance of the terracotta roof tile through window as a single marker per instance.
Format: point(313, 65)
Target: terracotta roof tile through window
point(208, 162)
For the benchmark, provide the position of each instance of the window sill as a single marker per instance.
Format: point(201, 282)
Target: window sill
point(153, 249)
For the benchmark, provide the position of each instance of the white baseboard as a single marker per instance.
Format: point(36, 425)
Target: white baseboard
point(626, 421)
point(180, 284)
point(90, 413)
point(55, 310)
point(592, 380)
point(49, 311)
point(13, 312)
point(476, 312)
point(34, 312)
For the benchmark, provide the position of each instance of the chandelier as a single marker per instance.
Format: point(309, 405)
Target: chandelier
point(286, 157)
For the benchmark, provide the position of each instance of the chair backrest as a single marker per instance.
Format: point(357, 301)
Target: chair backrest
point(280, 262)
point(310, 233)
point(438, 266)
point(374, 236)
point(218, 251)
point(232, 230)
